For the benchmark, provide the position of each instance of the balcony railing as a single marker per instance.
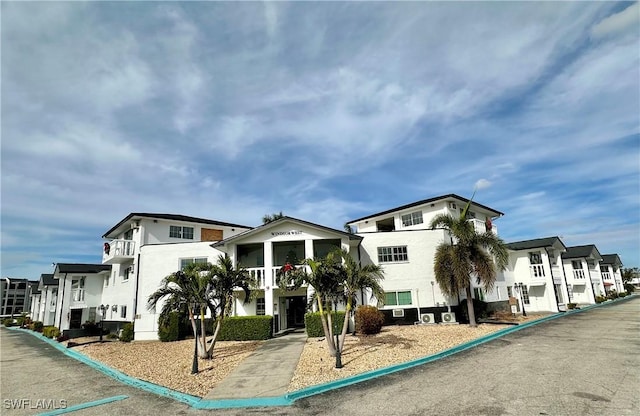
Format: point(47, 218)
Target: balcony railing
point(481, 227)
point(77, 295)
point(258, 274)
point(118, 251)
point(578, 274)
point(537, 271)
point(606, 275)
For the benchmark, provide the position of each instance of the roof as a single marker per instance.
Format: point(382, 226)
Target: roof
point(426, 201)
point(611, 259)
point(535, 243)
point(581, 251)
point(171, 217)
point(82, 268)
point(48, 280)
point(279, 221)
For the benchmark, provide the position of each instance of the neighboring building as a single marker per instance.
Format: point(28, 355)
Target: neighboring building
point(535, 274)
point(400, 240)
point(15, 295)
point(45, 311)
point(611, 269)
point(582, 270)
point(80, 293)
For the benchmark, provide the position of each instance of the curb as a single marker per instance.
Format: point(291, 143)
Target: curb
point(289, 398)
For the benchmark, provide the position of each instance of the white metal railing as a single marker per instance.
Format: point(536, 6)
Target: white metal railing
point(578, 274)
point(606, 275)
point(274, 273)
point(537, 270)
point(258, 274)
point(77, 295)
point(480, 227)
point(118, 248)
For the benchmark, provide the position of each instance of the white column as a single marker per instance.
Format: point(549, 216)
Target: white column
point(268, 278)
point(308, 249)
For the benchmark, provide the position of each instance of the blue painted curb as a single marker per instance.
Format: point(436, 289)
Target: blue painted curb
point(289, 398)
point(84, 405)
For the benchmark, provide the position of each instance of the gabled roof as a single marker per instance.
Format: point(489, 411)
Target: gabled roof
point(613, 259)
point(535, 243)
point(81, 268)
point(171, 217)
point(427, 201)
point(280, 221)
point(576, 252)
point(47, 279)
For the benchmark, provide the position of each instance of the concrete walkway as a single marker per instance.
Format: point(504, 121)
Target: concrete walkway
point(265, 373)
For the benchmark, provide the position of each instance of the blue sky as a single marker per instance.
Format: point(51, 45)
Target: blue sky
point(325, 111)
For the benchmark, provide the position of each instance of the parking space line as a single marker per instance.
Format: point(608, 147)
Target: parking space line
point(85, 405)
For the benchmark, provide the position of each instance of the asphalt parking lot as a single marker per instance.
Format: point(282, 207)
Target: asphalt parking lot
point(583, 364)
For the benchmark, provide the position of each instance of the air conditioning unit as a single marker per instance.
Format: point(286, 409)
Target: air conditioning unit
point(449, 318)
point(427, 318)
point(452, 205)
point(398, 313)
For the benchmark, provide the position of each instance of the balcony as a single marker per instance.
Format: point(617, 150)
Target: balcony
point(259, 275)
point(118, 251)
point(578, 274)
point(481, 227)
point(606, 275)
point(537, 271)
point(77, 295)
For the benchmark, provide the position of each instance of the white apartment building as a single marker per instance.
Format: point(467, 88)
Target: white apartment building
point(582, 270)
point(611, 269)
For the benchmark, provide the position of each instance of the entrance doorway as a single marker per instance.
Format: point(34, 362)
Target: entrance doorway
point(296, 308)
point(75, 319)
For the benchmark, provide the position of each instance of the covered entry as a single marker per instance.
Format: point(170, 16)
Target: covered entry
point(296, 307)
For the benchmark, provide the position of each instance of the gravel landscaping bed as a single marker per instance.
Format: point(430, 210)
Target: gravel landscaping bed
point(169, 363)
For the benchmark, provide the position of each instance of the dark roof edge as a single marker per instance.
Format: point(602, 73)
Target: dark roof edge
point(426, 201)
point(175, 217)
point(542, 242)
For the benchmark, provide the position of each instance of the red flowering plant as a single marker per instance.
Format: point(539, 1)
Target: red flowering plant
point(288, 275)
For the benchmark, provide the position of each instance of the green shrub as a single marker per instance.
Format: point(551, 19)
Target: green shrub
point(600, 299)
point(23, 320)
point(313, 324)
point(111, 335)
point(571, 305)
point(127, 332)
point(629, 288)
point(8, 322)
point(170, 331)
point(37, 326)
point(50, 331)
point(369, 320)
point(246, 328)
point(622, 294)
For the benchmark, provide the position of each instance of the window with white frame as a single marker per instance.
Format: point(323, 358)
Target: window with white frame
point(127, 273)
point(92, 314)
point(413, 218)
point(123, 311)
point(524, 292)
point(106, 279)
point(398, 298)
point(260, 306)
point(187, 261)
point(478, 293)
point(535, 257)
point(576, 264)
point(510, 291)
point(176, 231)
point(392, 254)
point(77, 289)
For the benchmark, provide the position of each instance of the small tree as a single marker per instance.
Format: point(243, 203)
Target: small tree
point(628, 274)
point(267, 218)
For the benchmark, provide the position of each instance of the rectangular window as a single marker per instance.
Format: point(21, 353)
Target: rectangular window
point(176, 231)
point(525, 294)
point(397, 298)
point(106, 280)
point(510, 291)
point(92, 314)
point(576, 264)
point(185, 262)
point(392, 254)
point(478, 293)
point(127, 273)
point(535, 257)
point(123, 311)
point(412, 219)
point(558, 290)
point(260, 306)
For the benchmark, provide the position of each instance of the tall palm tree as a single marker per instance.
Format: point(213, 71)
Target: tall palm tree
point(470, 255)
point(188, 289)
point(357, 278)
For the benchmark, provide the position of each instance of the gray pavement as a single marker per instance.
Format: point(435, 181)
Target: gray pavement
point(266, 373)
point(583, 364)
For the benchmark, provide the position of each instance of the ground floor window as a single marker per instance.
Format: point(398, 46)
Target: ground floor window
point(478, 293)
point(123, 311)
point(260, 306)
point(510, 291)
point(92, 314)
point(185, 262)
point(558, 293)
point(397, 298)
point(525, 294)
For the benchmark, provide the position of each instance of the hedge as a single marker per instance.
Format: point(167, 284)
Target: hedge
point(314, 326)
point(246, 328)
point(171, 331)
point(50, 331)
point(127, 332)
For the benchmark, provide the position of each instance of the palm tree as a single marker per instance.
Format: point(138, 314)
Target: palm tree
point(357, 278)
point(224, 280)
point(267, 218)
point(470, 255)
point(189, 289)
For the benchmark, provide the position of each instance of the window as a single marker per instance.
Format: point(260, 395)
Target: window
point(412, 219)
point(397, 298)
point(604, 269)
point(123, 311)
point(77, 289)
point(535, 257)
point(478, 293)
point(470, 214)
point(558, 291)
point(260, 306)
point(127, 272)
point(524, 294)
point(92, 314)
point(176, 231)
point(198, 260)
point(391, 254)
point(576, 264)
point(510, 291)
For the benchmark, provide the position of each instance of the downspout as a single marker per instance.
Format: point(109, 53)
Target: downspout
point(553, 284)
point(64, 284)
point(135, 299)
point(593, 290)
point(564, 276)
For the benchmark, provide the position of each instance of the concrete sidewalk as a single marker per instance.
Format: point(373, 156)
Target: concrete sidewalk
point(265, 373)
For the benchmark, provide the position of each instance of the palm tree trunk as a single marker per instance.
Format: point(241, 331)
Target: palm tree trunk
point(201, 346)
point(215, 337)
point(326, 328)
point(472, 314)
point(203, 336)
point(345, 325)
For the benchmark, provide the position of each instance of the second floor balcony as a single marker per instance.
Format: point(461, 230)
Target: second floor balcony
point(77, 295)
point(118, 251)
point(537, 271)
point(578, 274)
point(481, 226)
point(606, 275)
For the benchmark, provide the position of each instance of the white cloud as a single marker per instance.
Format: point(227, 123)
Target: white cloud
point(482, 184)
point(628, 19)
